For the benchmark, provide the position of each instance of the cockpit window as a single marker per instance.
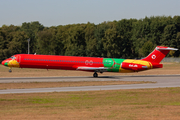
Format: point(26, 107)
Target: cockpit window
point(12, 57)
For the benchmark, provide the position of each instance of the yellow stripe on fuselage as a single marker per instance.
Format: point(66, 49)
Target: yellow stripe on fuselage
point(142, 62)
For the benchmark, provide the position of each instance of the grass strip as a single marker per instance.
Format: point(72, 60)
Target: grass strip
point(159, 103)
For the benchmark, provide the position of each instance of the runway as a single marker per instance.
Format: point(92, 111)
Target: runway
point(162, 81)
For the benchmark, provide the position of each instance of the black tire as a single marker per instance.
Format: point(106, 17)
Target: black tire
point(95, 75)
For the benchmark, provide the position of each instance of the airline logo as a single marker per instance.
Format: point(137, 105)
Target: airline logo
point(153, 56)
point(89, 62)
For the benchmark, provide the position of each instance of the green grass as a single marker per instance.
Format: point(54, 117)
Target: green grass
point(125, 104)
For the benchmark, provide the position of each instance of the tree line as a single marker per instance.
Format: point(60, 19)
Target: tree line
point(126, 38)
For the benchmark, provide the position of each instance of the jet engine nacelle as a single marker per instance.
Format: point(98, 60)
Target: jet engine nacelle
point(132, 66)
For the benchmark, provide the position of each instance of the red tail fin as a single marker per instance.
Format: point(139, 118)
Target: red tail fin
point(158, 54)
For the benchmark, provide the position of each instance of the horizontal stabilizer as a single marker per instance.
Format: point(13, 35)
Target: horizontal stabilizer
point(166, 48)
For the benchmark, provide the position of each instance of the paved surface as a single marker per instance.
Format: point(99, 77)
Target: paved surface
point(162, 82)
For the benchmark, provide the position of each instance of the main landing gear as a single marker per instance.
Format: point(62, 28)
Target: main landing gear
point(95, 74)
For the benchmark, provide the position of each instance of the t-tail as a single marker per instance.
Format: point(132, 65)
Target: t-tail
point(158, 54)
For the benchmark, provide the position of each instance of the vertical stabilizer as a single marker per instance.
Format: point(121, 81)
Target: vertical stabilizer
point(158, 54)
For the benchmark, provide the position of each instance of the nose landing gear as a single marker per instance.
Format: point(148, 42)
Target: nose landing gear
point(10, 70)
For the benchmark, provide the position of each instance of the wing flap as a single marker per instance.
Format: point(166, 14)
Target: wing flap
point(101, 69)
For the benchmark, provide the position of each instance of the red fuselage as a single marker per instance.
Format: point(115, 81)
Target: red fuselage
point(57, 62)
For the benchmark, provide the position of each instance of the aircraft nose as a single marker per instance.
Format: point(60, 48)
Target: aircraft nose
point(5, 63)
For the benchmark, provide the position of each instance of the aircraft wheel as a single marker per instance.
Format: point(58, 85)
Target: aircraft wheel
point(95, 75)
point(10, 70)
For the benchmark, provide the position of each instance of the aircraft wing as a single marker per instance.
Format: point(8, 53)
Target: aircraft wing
point(98, 69)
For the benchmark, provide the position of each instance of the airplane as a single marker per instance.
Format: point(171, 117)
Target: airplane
point(91, 64)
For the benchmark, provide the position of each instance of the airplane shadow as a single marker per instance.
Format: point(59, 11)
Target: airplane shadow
point(99, 77)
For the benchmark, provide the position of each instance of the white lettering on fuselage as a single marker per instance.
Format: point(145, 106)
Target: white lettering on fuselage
point(132, 65)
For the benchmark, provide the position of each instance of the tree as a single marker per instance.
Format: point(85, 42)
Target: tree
point(31, 29)
point(75, 43)
point(18, 43)
point(99, 34)
point(169, 36)
point(46, 41)
point(147, 48)
point(111, 43)
point(91, 42)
